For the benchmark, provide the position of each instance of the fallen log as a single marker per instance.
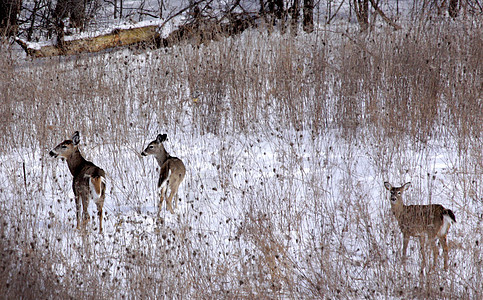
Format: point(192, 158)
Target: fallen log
point(117, 38)
point(195, 32)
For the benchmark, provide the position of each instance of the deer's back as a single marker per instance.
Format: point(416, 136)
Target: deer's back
point(88, 171)
point(176, 166)
point(418, 219)
point(173, 170)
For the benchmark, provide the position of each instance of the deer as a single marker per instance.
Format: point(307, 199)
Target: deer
point(432, 221)
point(172, 171)
point(88, 179)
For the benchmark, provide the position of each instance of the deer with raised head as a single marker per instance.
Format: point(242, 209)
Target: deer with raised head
point(172, 171)
point(89, 180)
point(423, 221)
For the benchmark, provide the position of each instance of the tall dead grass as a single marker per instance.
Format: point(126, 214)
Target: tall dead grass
point(311, 226)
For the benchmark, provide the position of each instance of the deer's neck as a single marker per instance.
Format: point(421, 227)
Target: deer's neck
point(398, 208)
point(161, 157)
point(76, 162)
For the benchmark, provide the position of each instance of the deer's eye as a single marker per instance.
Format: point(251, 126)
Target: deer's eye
point(151, 147)
point(64, 146)
point(399, 193)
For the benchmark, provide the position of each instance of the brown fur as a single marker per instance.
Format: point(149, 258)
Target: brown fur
point(431, 221)
point(84, 173)
point(172, 171)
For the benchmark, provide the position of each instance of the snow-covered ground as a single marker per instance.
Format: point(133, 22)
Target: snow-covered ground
point(307, 193)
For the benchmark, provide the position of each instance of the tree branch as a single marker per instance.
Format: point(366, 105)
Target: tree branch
point(383, 16)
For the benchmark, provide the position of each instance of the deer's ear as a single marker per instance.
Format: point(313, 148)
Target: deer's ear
point(406, 185)
point(76, 138)
point(387, 185)
point(161, 138)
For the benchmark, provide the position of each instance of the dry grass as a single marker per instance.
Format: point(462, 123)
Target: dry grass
point(290, 205)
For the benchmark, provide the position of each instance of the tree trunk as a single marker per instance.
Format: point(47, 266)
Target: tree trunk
point(9, 10)
point(72, 9)
point(275, 10)
point(33, 16)
point(295, 13)
point(275, 7)
point(117, 38)
point(453, 8)
point(383, 15)
point(361, 8)
point(308, 16)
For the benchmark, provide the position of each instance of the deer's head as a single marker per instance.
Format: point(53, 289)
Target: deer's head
point(66, 148)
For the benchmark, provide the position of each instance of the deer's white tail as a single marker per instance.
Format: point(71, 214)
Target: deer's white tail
point(95, 185)
point(447, 221)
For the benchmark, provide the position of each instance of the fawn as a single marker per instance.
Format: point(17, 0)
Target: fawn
point(420, 221)
point(88, 182)
point(172, 171)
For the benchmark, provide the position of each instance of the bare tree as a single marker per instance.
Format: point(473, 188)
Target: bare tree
point(453, 8)
point(118, 6)
point(272, 10)
point(361, 8)
point(72, 9)
point(295, 14)
point(9, 10)
point(378, 10)
point(276, 8)
point(308, 15)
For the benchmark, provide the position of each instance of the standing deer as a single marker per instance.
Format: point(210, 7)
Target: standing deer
point(88, 182)
point(420, 221)
point(172, 171)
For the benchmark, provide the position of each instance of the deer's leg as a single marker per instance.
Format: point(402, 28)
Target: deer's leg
point(405, 246)
point(100, 205)
point(174, 194)
point(161, 197)
point(169, 205)
point(434, 246)
point(78, 210)
point(444, 244)
point(85, 206)
point(422, 240)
